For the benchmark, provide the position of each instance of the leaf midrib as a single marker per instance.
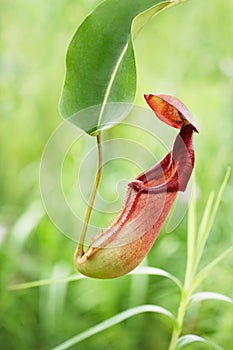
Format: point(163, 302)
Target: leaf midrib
point(115, 70)
point(110, 84)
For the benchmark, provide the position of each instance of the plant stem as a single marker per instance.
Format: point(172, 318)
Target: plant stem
point(79, 250)
point(195, 247)
point(189, 274)
point(191, 241)
point(180, 320)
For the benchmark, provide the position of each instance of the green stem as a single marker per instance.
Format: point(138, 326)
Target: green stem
point(180, 320)
point(191, 241)
point(195, 247)
point(80, 250)
point(189, 274)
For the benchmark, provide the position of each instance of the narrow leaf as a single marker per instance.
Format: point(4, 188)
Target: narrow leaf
point(192, 338)
point(44, 282)
point(209, 296)
point(202, 275)
point(218, 199)
point(112, 322)
point(191, 239)
point(203, 230)
point(209, 216)
point(100, 81)
point(141, 270)
point(147, 270)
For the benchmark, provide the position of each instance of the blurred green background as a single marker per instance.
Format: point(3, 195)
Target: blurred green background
point(185, 51)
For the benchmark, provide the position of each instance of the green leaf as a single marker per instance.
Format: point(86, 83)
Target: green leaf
point(201, 276)
point(202, 236)
point(191, 239)
point(147, 270)
point(209, 216)
point(192, 338)
point(45, 282)
point(209, 296)
point(100, 81)
point(141, 270)
point(112, 322)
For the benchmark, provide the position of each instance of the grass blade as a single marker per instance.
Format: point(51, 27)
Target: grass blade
point(191, 239)
point(209, 296)
point(201, 276)
point(45, 282)
point(147, 270)
point(142, 270)
point(113, 321)
point(192, 338)
point(209, 216)
point(205, 223)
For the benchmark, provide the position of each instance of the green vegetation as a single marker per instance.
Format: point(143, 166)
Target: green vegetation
point(185, 51)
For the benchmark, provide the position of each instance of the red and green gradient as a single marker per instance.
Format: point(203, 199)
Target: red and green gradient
point(122, 246)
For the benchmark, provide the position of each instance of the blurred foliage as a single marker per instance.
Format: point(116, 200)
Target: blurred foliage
point(186, 51)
